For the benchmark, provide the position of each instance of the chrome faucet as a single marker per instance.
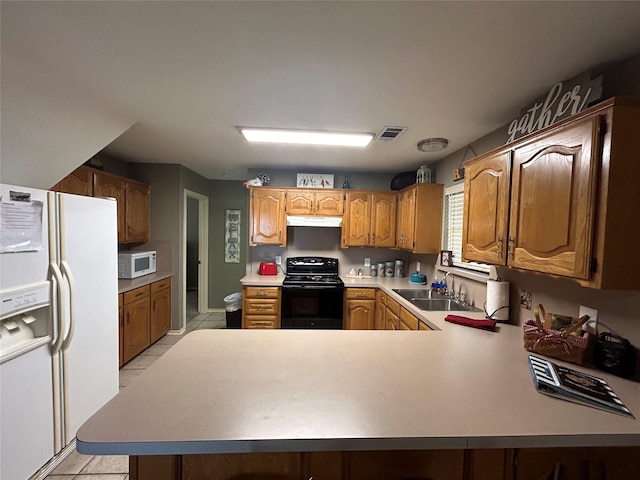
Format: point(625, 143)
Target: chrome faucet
point(449, 292)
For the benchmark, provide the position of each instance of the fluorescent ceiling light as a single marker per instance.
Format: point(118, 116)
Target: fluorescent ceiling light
point(306, 137)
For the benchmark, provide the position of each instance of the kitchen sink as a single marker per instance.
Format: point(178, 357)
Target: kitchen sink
point(419, 294)
point(433, 302)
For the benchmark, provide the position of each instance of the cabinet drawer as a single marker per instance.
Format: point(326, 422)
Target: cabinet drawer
point(260, 321)
point(381, 297)
point(409, 319)
point(135, 294)
point(267, 307)
point(360, 293)
point(262, 292)
point(393, 306)
point(160, 285)
point(120, 300)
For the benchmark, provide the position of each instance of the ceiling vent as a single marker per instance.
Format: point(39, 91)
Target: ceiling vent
point(391, 133)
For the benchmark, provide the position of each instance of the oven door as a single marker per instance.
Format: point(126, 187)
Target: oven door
point(312, 307)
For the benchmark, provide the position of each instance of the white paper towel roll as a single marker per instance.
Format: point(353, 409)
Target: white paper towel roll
point(498, 300)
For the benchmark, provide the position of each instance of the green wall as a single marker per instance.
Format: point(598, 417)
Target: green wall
point(224, 278)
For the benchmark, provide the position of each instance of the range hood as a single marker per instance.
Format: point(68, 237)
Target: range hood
point(299, 221)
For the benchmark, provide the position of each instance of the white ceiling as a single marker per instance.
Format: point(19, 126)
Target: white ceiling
point(189, 72)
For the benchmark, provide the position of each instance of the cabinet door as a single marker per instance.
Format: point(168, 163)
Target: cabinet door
point(78, 182)
point(136, 327)
point(392, 320)
point(329, 203)
point(105, 185)
point(267, 217)
point(406, 219)
point(359, 314)
point(553, 196)
point(408, 321)
point(137, 208)
point(379, 322)
point(160, 314)
point(383, 220)
point(300, 202)
point(356, 225)
point(121, 336)
point(486, 209)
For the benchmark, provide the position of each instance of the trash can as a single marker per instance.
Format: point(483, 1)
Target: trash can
point(233, 308)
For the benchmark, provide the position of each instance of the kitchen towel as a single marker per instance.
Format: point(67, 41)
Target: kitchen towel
point(497, 306)
point(484, 324)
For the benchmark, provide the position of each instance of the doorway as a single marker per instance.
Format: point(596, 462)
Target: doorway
point(195, 291)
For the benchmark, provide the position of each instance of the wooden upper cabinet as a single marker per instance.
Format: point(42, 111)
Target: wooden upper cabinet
point(571, 208)
point(419, 223)
point(405, 220)
point(133, 205)
point(107, 185)
point(356, 224)
point(553, 201)
point(486, 209)
point(78, 182)
point(369, 220)
point(137, 212)
point(267, 226)
point(306, 202)
point(383, 219)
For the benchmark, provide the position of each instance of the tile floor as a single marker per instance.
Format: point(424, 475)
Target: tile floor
point(116, 467)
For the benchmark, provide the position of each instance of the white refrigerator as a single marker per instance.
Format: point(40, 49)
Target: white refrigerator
point(58, 321)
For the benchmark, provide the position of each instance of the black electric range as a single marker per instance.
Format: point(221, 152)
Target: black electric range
point(312, 294)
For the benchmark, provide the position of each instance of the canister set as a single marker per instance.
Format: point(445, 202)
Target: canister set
point(388, 269)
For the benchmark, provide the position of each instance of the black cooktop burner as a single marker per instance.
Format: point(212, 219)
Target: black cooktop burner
point(312, 271)
point(312, 279)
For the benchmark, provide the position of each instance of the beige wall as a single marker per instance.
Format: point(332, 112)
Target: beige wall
point(49, 126)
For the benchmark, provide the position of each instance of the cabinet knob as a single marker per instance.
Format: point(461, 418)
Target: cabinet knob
point(499, 250)
point(511, 246)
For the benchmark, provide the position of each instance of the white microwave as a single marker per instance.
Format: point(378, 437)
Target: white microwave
point(136, 264)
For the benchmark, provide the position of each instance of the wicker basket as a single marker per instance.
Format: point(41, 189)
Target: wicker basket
point(554, 343)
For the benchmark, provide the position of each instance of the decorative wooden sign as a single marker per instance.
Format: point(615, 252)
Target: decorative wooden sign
point(563, 100)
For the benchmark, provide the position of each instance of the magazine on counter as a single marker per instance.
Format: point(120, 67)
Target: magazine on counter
point(568, 384)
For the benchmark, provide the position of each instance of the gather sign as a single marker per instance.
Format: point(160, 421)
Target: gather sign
point(563, 100)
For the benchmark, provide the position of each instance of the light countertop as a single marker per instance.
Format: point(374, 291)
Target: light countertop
point(124, 285)
point(225, 391)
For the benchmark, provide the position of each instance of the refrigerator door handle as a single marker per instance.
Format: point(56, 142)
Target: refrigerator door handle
point(56, 343)
point(58, 336)
point(72, 310)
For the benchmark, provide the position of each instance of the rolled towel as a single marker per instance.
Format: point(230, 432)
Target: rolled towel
point(484, 324)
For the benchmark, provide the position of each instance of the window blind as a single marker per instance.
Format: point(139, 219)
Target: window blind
point(454, 211)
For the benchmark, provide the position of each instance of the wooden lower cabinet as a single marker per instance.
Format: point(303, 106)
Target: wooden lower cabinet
point(359, 308)
point(137, 316)
point(145, 317)
point(588, 463)
point(160, 309)
point(260, 307)
point(381, 304)
point(120, 330)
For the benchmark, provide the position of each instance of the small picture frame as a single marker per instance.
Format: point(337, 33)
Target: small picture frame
point(446, 258)
point(314, 180)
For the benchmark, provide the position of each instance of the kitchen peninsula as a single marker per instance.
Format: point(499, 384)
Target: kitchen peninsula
point(453, 403)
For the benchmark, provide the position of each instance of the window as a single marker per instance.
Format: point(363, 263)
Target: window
point(453, 212)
